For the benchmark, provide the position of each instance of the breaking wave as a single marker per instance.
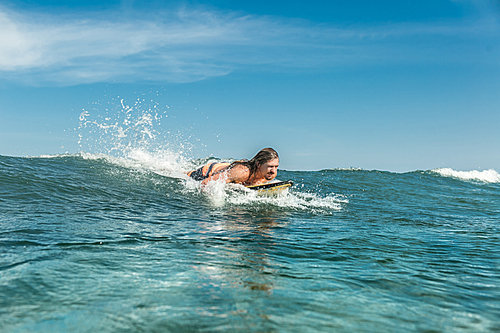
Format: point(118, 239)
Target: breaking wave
point(487, 176)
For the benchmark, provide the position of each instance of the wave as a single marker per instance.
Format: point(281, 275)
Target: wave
point(174, 166)
point(487, 176)
point(344, 169)
point(170, 163)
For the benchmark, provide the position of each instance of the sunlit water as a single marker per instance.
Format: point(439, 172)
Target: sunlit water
point(117, 239)
point(94, 243)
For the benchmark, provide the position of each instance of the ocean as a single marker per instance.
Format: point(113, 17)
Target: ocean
point(90, 242)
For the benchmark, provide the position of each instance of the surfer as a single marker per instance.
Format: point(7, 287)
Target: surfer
point(262, 168)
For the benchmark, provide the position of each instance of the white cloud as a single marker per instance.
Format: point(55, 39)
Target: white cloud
point(193, 44)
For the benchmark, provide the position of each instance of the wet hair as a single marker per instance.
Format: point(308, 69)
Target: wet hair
point(263, 156)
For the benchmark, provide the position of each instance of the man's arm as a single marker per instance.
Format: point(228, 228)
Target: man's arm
point(238, 175)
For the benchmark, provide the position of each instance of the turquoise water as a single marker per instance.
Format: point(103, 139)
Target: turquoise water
point(94, 243)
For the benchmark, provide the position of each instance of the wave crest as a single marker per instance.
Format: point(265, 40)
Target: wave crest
point(487, 176)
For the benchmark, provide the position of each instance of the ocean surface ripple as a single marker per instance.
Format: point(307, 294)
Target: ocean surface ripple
point(91, 243)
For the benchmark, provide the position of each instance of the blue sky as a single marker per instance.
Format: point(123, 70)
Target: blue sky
point(387, 85)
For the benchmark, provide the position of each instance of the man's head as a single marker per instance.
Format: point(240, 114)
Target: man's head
point(266, 162)
point(269, 169)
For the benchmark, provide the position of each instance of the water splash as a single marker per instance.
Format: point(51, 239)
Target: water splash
point(134, 135)
point(220, 194)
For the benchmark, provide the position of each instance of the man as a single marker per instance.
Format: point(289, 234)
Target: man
point(261, 168)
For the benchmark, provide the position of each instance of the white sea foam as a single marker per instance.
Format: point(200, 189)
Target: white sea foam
point(292, 199)
point(487, 176)
point(216, 192)
point(50, 156)
point(220, 194)
point(165, 163)
point(311, 202)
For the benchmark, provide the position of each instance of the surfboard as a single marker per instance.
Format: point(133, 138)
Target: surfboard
point(272, 188)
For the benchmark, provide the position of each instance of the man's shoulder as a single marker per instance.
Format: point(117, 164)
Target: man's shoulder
point(239, 173)
point(240, 168)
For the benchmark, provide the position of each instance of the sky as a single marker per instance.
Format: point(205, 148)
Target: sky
point(394, 85)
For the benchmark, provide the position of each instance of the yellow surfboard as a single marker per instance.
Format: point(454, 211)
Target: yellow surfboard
point(271, 188)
